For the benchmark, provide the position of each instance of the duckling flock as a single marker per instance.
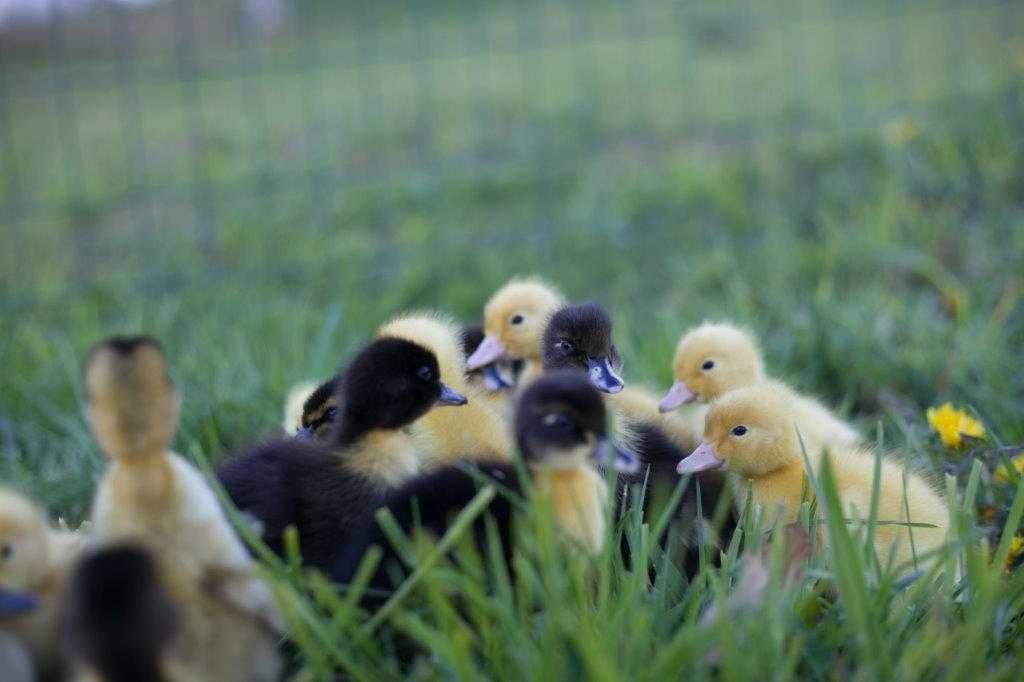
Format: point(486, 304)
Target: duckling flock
point(160, 587)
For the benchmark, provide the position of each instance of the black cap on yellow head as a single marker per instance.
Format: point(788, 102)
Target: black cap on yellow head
point(389, 384)
point(561, 422)
point(131, 402)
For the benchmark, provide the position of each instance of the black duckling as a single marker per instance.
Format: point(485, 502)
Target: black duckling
point(119, 621)
point(560, 427)
point(321, 488)
point(153, 497)
point(579, 337)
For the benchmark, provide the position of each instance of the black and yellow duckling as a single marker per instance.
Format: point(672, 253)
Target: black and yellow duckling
point(321, 488)
point(152, 497)
point(579, 338)
point(560, 427)
point(34, 562)
point(119, 620)
point(445, 436)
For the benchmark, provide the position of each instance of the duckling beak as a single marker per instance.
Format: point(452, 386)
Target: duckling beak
point(701, 459)
point(494, 380)
point(489, 350)
point(304, 433)
point(16, 603)
point(450, 397)
point(678, 395)
point(622, 459)
point(603, 376)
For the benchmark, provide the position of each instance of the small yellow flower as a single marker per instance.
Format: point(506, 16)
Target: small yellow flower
point(952, 424)
point(1016, 549)
point(1001, 475)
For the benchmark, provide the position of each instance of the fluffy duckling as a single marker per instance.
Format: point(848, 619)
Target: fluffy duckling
point(715, 358)
point(319, 411)
point(119, 620)
point(34, 561)
point(751, 432)
point(153, 497)
point(449, 435)
point(560, 426)
point(322, 487)
point(514, 322)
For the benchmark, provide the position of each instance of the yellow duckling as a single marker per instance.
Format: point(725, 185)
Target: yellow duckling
point(752, 432)
point(715, 358)
point(153, 497)
point(514, 322)
point(34, 563)
point(449, 435)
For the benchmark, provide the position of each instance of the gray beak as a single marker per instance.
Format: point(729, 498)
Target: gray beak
point(603, 376)
point(623, 460)
point(450, 397)
point(16, 603)
point(304, 433)
point(494, 380)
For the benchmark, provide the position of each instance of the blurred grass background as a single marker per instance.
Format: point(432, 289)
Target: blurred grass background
point(845, 177)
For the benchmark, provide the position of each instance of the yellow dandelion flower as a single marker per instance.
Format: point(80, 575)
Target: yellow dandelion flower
point(1016, 549)
point(952, 424)
point(1001, 475)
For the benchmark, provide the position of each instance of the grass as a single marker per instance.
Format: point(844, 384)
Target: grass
point(845, 179)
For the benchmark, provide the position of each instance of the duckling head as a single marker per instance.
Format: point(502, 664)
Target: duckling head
point(710, 360)
point(117, 616)
point(499, 375)
point(514, 321)
point(132, 405)
point(579, 337)
point(24, 551)
point(320, 411)
point(388, 385)
point(750, 431)
point(561, 423)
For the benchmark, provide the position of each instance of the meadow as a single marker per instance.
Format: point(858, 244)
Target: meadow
point(846, 180)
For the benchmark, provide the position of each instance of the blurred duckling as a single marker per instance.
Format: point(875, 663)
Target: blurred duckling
point(153, 497)
point(498, 377)
point(34, 562)
point(560, 427)
point(449, 435)
point(752, 432)
point(321, 488)
point(119, 620)
point(715, 358)
point(514, 321)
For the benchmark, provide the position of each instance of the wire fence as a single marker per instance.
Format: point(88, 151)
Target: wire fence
point(198, 115)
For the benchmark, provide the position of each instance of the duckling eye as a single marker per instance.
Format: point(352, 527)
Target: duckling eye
point(556, 419)
point(739, 430)
point(6, 552)
point(331, 413)
point(563, 346)
point(517, 319)
point(425, 373)
point(708, 364)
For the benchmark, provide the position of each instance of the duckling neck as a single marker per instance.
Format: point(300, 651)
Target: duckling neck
point(578, 497)
point(143, 479)
point(779, 492)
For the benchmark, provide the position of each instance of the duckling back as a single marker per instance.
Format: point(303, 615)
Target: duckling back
point(819, 428)
point(854, 474)
point(448, 434)
point(153, 497)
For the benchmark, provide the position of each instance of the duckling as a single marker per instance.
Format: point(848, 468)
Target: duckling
point(752, 432)
point(560, 426)
point(448, 435)
point(322, 487)
point(119, 620)
point(34, 561)
point(514, 321)
point(319, 411)
point(153, 497)
point(715, 358)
